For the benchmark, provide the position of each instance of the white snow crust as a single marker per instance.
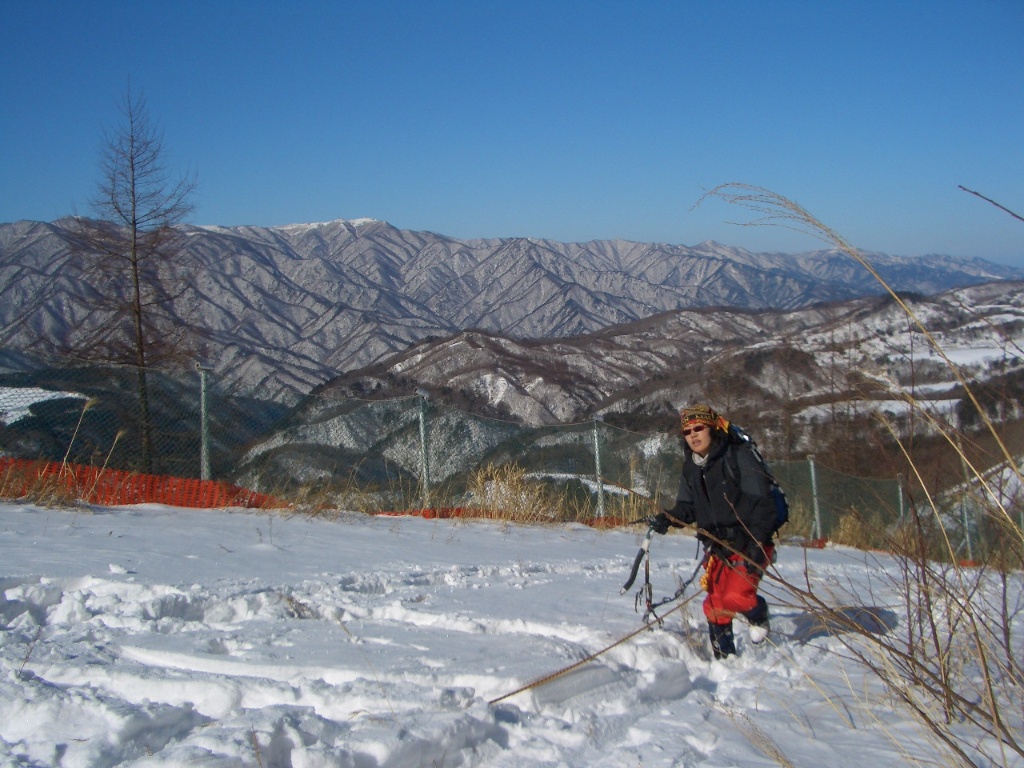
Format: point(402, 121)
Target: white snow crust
point(155, 636)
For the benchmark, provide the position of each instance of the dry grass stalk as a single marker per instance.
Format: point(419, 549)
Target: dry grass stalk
point(507, 493)
point(85, 408)
point(776, 210)
point(99, 476)
point(28, 483)
point(801, 522)
point(860, 531)
point(256, 750)
point(956, 658)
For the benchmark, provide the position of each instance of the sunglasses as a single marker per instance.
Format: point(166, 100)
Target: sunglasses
point(693, 430)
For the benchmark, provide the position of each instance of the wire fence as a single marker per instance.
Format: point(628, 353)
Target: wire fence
point(378, 455)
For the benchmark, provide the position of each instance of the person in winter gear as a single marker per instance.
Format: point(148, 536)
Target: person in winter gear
point(725, 492)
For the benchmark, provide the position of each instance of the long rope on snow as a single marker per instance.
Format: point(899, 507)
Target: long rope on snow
point(576, 665)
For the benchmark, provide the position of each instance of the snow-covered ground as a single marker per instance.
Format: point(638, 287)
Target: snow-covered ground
point(16, 402)
point(152, 636)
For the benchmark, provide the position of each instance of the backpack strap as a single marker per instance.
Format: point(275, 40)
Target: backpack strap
point(732, 464)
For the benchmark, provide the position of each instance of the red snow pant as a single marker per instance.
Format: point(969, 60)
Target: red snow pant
point(731, 587)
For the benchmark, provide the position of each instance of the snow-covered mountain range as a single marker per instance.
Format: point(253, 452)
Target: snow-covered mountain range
point(791, 374)
point(281, 310)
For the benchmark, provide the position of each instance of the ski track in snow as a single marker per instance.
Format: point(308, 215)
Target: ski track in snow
point(162, 637)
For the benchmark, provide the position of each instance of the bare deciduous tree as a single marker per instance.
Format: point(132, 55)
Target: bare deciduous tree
point(128, 254)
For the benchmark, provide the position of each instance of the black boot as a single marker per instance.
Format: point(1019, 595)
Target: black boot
point(758, 618)
point(722, 642)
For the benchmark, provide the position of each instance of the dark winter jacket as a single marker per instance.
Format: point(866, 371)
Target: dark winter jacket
point(729, 497)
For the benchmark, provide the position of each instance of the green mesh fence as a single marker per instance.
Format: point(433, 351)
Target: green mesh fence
point(409, 452)
point(820, 496)
point(370, 455)
point(94, 415)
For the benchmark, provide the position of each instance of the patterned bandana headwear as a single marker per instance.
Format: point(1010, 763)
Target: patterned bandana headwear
point(699, 413)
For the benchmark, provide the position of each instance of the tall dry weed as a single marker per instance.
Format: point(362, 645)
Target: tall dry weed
point(955, 657)
point(509, 494)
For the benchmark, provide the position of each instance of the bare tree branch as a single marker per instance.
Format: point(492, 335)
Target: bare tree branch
point(988, 200)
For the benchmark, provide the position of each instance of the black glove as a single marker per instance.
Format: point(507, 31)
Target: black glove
point(659, 523)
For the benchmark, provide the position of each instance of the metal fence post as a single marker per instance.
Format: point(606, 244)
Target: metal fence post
point(899, 498)
point(424, 451)
point(204, 427)
point(597, 466)
point(967, 527)
point(966, 492)
point(816, 533)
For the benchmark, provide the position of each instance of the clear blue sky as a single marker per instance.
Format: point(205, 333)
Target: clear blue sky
point(564, 119)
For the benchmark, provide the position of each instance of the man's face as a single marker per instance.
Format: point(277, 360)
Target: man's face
point(698, 437)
